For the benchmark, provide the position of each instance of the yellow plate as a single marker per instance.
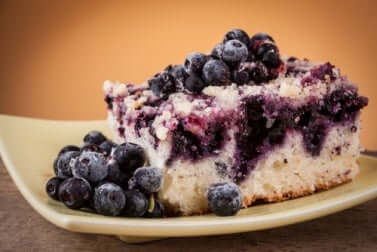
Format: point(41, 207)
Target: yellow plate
point(29, 146)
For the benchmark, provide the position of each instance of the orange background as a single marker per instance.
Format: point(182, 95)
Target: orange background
point(55, 55)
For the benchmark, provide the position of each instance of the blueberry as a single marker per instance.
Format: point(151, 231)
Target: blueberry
point(268, 53)
point(261, 36)
point(137, 204)
point(87, 147)
point(224, 199)
point(194, 84)
point(259, 39)
point(94, 137)
point(148, 179)
point(162, 84)
point(179, 74)
point(55, 165)
point(106, 147)
point(221, 169)
point(251, 57)
point(240, 76)
point(217, 51)
point(237, 34)
point(75, 192)
point(235, 52)
point(258, 73)
point(109, 199)
point(64, 164)
point(271, 59)
point(195, 61)
point(91, 166)
point(216, 72)
point(52, 187)
point(116, 175)
point(129, 156)
point(156, 209)
point(69, 148)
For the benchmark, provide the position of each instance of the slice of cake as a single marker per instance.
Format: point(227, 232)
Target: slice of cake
point(277, 127)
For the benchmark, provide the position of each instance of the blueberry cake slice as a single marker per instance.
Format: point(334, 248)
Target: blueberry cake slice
point(277, 127)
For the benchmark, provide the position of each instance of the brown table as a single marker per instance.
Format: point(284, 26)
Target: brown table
point(23, 229)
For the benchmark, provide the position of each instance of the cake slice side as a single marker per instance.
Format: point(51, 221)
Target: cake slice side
point(288, 138)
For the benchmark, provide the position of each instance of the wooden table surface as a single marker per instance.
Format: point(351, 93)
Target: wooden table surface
point(23, 229)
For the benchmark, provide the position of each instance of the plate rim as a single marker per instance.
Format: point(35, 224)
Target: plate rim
point(161, 227)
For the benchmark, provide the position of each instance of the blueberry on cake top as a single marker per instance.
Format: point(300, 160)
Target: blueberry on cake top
point(277, 127)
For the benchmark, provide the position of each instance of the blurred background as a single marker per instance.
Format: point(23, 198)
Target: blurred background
point(55, 55)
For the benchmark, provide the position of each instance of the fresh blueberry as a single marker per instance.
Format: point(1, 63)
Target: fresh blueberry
point(91, 166)
point(268, 53)
point(258, 73)
point(109, 199)
point(148, 179)
point(221, 169)
point(156, 209)
point(194, 62)
point(64, 164)
point(259, 39)
point(129, 156)
point(194, 84)
point(216, 72)
point(52, 187)
point(162, 84)
point(237, 34)
point(251, 57)
point(179, 74)
point(261, 36)
point(116, 175)
point(55, 165)
point(235, 52)
point(87, 147)
point(137, 204)
point(69, 148)
point(240, 76)
point(94, 137)
point(75, 192)
point(217, 51)
point(107, 146)
point(224, 199)
point(271, 59)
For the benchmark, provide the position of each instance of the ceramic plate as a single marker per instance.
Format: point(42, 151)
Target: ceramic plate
point(29, 146)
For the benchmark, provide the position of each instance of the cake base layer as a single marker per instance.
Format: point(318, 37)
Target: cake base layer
point(284, 173)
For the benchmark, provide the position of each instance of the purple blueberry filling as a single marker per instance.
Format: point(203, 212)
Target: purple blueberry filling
point(259, 132)
point(187, 145)
point(257, 135)
point(321, 72)
point(263, 124)
point(292, 71)
point(342, 104)
point(145, 120)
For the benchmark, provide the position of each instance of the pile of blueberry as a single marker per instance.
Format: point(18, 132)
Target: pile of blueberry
point(107, 178)
point(112, 180)
point(239, 59)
